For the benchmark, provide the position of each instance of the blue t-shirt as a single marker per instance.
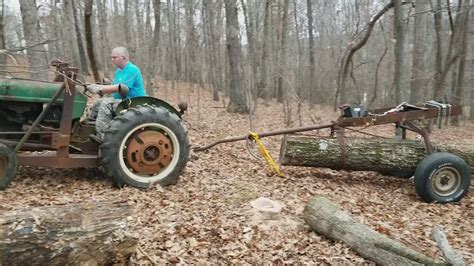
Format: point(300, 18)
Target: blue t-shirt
point(130, 75)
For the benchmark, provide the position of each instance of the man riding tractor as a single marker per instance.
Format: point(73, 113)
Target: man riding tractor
point(138, 140)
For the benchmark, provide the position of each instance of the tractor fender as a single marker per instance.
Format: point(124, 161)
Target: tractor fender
point(144, 101)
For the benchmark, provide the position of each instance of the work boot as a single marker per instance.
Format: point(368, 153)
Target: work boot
point(96, 138)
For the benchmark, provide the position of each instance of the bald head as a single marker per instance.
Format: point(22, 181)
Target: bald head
point(120, 57)
point(121, 51)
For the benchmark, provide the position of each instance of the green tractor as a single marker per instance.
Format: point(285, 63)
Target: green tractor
point(40, 125)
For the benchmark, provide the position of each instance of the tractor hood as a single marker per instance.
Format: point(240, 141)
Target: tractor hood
point(34, 91)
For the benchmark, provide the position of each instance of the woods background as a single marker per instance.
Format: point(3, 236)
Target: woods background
point(329, 52)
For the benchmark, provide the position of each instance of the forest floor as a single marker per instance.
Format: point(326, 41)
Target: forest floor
point(206, 217)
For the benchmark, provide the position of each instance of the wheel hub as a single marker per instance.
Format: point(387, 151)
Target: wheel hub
point(148, 152)
point(446, 181)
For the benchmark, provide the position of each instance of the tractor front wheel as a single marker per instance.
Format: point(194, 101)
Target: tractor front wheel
point(8, 165)
point(145, 146)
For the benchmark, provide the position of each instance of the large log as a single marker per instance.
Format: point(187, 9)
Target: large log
point(90, 233)
point(360, 154)
point(328, 219)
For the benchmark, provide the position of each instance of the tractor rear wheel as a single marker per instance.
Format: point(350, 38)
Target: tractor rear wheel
point(8, 165)
point(145, 146)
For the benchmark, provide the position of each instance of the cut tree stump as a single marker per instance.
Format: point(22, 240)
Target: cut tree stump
point(388, 156)
point(91, 233)
point(328, 219)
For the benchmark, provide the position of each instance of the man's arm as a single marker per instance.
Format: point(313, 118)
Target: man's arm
point(108, 89)
point(122, 89)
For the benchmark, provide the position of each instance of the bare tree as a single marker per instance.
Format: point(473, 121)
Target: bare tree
point(89, 39)
point(252, 44)
point(399, 49)
point(353, 47)
point(453, 53)
point(153, 51)
point(104, 39)
point(3, 59)
point(80, 44)
point(36, 59)
point(237, 101)
point(458, 91)
point(284, 32)
point(418, 80)
point(127, 13)
point(312, 67)
point(263, 81)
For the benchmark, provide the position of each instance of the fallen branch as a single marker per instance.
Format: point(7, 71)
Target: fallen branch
point(448, 252)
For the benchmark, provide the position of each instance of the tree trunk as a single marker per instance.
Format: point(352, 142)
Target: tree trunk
point(94, 233)
point(471, 74)
point(399, 50)
point(263, 79)
point(89, 39)
point(57, 32)
point(191, 42)
point(80, 44)
point(173, 45)
point(104, 39)
point(437, 92)
point(312, 64)
point(208, 29)
point(453, 52)
point(471, 114)
point(32, 34)
point(418, 81)
point(140, 31)
point(237, 101)
point(249, 17)
point(360, 154)
point(70, 34)
point(127, 14)
point(299, 75)
point(458, 90)
point(281, 92)
point(328, 219)
point(151, 75)
point(3, 58)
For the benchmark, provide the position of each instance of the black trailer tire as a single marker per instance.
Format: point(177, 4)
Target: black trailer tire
point(442, 177)
point(8, 165)
point(145, 146)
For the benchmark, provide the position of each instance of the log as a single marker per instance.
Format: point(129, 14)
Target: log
point(94, 233)
point(328, 219)
point(360, 154)
point(451, 256)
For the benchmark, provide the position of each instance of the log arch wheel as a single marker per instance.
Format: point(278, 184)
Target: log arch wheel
point(442, 177)
point(8, 165)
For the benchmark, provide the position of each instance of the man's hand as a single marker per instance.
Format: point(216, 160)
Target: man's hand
point(123, 90)
point(94, 88)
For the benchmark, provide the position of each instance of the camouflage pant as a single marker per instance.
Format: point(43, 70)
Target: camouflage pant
point(103, 113)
